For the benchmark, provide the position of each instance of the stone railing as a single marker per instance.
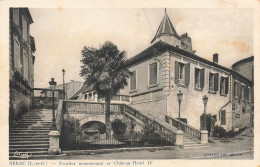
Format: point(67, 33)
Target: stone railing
point(74, 106)
point(43, 98)
point(187, 129)
point(59, 115)
point(162, 129)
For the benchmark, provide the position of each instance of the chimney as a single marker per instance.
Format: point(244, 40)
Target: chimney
point(215, 58)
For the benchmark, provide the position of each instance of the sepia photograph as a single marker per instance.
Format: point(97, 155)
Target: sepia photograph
point(131, 85)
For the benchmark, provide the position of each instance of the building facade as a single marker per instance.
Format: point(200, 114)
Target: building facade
point(169, 66)
point(21, 61)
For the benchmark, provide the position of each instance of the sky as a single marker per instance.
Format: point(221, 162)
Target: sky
point(60, 35)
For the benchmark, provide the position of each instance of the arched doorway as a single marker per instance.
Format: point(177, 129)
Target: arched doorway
point(92, 129)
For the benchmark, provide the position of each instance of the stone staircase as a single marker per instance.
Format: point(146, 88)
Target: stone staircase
point(188, 141)
point(29, 134)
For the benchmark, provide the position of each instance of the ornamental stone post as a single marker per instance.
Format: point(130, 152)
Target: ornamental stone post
point(204, 137)
point(54, 148)
point(179, 139)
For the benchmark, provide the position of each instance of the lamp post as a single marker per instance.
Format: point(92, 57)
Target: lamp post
point(179, 97)
point(53, 87)
point(205, 101)
point(63, 74)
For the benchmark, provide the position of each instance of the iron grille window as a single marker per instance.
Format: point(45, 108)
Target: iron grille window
point(153, 73)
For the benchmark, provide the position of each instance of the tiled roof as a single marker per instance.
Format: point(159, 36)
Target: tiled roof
point(165, 28)
point(162, 47)
point(83, 89)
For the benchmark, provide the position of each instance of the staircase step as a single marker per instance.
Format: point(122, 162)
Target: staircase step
point(29, 145)
point(194, 144)
point(23, 149)
point(28, 130)
point(28, 142)
point(192, 147)
point(28, 137)
point(16, 139)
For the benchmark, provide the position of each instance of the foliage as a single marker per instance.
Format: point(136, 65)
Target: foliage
point(151, 137)
point(209, 122)
point(22, 108)
point(105, 69)
point(70, 132)
point(118, 126)
point(219, 131)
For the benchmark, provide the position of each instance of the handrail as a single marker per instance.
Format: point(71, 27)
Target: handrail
point(59, 115)
point(162, 129)
point(187, 129)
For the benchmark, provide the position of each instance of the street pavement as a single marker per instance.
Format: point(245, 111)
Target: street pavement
point(239, 147)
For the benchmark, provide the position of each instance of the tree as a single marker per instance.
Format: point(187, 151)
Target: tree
point(105, 68)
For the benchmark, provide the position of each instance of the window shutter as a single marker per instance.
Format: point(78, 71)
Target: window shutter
point(234, 89)
point(187, 73)
point(221, 83)
point(246, 93)
point(176, 71)
point(209, 79)
point(223, 117)
point(216, 76)
point(227, 85)
point(239, 90)
point(153, 73)
point(133, 80)
point(202, 74)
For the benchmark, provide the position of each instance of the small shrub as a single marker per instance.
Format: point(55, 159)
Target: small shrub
point(118, 126)
point(219, 131)
point(70, 133)
point(150, 137)
point(22, 108)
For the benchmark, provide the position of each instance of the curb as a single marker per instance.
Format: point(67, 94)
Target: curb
point(235, 154)
point(104, 151)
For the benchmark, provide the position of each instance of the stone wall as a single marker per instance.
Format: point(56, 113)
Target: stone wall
point(19, 104)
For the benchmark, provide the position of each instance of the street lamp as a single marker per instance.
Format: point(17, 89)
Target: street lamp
point(205, 101)
point(53, 87)
point(63, 73)
point(179, 97)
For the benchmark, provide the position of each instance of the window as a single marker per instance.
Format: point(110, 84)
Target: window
point(153, 73)
point(235, 89)
point(16, 16)
point(90, 96)
point(223, 85)
point(133, 80)
point(199, 78)
point(243, 110)
point(223, 117)
point(242, 92)
point(25, 65)
point(213, 82)
point(17, 59)
point(25, 28)
point(182, 73)
point(85, 96)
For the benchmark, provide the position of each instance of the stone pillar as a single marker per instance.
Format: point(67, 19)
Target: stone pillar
point(54, 148)
point(204, 137)
point(179, 139)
